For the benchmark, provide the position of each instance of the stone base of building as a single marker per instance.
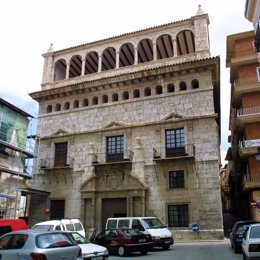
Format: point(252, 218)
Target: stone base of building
point(206, 234)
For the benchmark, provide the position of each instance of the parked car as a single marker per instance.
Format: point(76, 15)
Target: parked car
point(161, 235)
point(251, 242)
point(68, 224)
point(89, 250)
point(124, 241)
point(39, 245)
point(9, 225)
point(237, 233)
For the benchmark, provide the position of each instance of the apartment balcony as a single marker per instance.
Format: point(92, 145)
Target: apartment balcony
point(244, 57)
point(175, 153)
point(54, 164)
point(249, 148)
point(247, 115)
point(243, 86)
point(257, 37)
point(117, 158)
point(252, 180)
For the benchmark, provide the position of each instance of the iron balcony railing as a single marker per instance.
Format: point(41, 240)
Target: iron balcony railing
point(246, 81)
point(53, 163)
point(174, 152)
point(248, 111)
point(101, 158)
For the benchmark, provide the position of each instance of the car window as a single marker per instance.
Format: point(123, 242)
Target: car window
point(254, 232)
point(14, 241)
point(78, 226)
point(132, 232)
point(111, 223)
point(111, 233)
point(123, 223)
point(43, 227)
point(70, 227)
point(5, 229)
point(53, 240)
point(78, 238)
point(136, 223)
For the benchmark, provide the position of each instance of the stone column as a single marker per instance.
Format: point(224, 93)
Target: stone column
point(99, 63)
point(117, 59)
point(67, 70)
point(154, 51)
point(175, 53)
point(136, 55)
point(83, 67)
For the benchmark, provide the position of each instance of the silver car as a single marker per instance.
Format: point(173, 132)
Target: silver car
point(38, 245)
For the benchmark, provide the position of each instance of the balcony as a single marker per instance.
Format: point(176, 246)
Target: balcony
point(248, 115)
point(117, 158)
point(175, 153)
point(249, 148)
point(252, 180)
point(243, 86)
point(244, 57)
point(257, 37)
point(51, 163)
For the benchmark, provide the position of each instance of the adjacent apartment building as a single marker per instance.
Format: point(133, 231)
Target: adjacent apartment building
point(130, 126)
point(243, 57)
point(16, 151)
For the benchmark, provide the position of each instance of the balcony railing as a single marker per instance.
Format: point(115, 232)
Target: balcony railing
point(103, 158)
point(243, 53)
point(246, 81)
point(174, 152)
point(248, 111)
point(252, 180)
point(51, 163)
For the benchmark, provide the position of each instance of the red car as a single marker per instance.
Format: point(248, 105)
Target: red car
point(124, 241)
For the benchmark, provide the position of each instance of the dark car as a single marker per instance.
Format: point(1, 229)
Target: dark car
point(124, 241)
point(237, 233)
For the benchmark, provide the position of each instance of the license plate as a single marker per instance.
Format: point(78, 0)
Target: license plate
point(97, 258)
point(167, 242)
point(141, 240)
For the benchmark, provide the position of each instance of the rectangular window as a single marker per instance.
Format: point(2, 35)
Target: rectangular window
point(115, 148)
point(60, 158)
point(258, 73)
point(178, 215)
point(176, 179)
point(175, 142)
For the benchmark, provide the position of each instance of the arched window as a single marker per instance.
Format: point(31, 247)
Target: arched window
point(67, 105)
point(136, 93)
point(85, 102)
point(158, 90)
point(49, 108)
point(125, 95)
point(75, 104)
point(58, 107)
point(195, 84)
point(147, 92)
point(104, 99)
point(91, 65)
point(60, 70)
point(164, 46)
point(185, 42)
point(75, 66)
point(114, 97)
point(145, 51)
point(109, 59)
point(95, 101)
point(170, 87)
point(126, 55)
point(183, 86)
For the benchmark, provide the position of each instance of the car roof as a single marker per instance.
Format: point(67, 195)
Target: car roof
point(255, 225)
point(246, 222)
point(35, 232)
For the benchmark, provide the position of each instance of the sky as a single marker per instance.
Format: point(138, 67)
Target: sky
point(28, 27)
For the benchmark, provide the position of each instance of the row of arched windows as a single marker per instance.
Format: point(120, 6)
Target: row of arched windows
point(146, 50)
point(125, 96)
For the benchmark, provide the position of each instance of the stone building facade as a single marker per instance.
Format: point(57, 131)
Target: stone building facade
point(130, 126)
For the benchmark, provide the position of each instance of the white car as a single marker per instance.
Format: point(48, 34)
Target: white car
point(251, 242)
point(89, 250)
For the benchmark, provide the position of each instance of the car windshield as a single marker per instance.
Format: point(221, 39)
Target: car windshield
point(43, 227)
point(255, 232)
point(53, 240)
point(78, 238)
point(153, 223)
point(132, 232)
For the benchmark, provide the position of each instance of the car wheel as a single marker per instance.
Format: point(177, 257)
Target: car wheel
point(143, 251)
point(121, 251)
point(166, 247)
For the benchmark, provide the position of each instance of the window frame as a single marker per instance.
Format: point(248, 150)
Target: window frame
point(115, 148)
point(178, 179)
point(182, 219)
